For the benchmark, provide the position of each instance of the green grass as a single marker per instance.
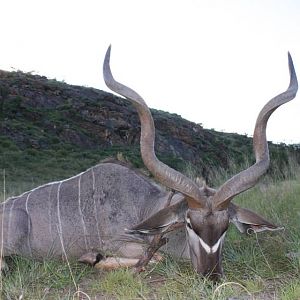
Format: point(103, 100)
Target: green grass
point(262, 265)
point(122, 284)
point(291, 291)
point(27, 279)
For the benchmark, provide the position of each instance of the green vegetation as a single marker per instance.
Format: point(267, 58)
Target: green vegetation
point(27, 168)
point(28, 279)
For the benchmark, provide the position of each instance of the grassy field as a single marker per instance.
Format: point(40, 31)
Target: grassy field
point(262, 266)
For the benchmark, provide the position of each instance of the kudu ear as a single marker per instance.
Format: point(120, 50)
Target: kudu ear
point(248, 221)
point(162, 220)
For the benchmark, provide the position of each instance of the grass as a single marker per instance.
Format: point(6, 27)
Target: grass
point(262, 266)
point(27, 279)
point(291, 291)
point(122, 284)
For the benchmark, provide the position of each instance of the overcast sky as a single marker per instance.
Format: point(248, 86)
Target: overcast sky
point(212, 62)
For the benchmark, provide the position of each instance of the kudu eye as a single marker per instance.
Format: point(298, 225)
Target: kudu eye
point(188, 223)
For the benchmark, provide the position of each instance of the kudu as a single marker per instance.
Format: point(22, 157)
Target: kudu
point(85, 217)
point(206, 212)
point(82, 217)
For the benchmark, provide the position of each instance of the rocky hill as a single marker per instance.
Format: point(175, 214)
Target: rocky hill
point(50, 129)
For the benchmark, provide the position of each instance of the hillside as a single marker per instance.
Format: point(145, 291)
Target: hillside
point(50, 130)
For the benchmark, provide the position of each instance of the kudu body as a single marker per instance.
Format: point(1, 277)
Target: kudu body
point(90, 212)
point(85, 214)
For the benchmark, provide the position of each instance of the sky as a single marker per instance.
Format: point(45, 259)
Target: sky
point(213, 62)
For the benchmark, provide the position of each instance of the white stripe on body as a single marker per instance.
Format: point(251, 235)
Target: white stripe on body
point(49, 213)
point(81, 214)
point(9, 235)
point(95, 210)
point(29, 225)
point(59, 220)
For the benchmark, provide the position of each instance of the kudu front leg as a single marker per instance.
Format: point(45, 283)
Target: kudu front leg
point(97, 260)
point(157, 242)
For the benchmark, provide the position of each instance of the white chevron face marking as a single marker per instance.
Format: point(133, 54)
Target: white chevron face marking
point(208, 249)
point(215, 247)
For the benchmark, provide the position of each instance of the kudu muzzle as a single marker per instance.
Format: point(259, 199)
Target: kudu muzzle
point(205, 232)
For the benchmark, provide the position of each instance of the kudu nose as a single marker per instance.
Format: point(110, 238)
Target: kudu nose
point(214, 277)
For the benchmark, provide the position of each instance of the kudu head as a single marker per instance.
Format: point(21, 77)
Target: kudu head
point(205, 212)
